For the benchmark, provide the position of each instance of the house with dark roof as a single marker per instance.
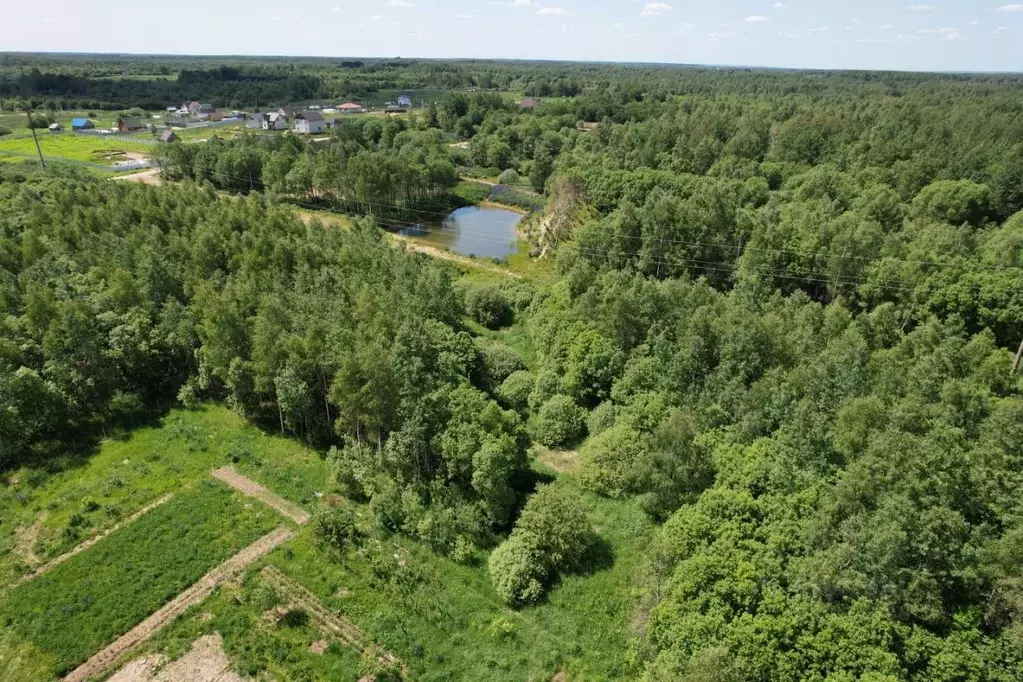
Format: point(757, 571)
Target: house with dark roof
point(56, 128)
point(286, 111)
point(127, 124)
point(309, 122)
point(82, 124)
point(168, 136)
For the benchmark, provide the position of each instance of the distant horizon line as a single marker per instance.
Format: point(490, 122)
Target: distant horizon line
point(689, 65)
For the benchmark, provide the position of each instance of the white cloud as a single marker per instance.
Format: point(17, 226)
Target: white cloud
point(685, 28)
point(1011, 8)
point(999, 31)
point(819, 29)
point(653, 9)
point(400, 3)
point(49, 20)
point(463, 16)
point(724, 35)
point(619, 25)
point(374, 17)
point(887, 27)
point(755, 19)
point(943, 33)
point(779, 5)
point(336, 9)
point(521, 3)
point(920, 8)
point(552, 12)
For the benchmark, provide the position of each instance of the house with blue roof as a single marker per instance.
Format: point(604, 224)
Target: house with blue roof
point(82, 124)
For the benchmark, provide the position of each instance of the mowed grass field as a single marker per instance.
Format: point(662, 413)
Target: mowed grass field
point(68, 146)
point(442, 619)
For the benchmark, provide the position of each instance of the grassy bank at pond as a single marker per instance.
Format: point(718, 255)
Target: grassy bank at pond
point(70, 612)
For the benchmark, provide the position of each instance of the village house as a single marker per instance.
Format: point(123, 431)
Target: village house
point(275, 121)
point(191, 107)
point(254, 120)
point(309, 122)
point(207, 112)
point(127, 124)
point(286, 111)
point(351, 108)
point(404, 101)
point(56, 128)
point(168, 136)
point(82, 124)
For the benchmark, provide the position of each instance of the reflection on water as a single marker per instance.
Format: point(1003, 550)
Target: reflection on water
point(472, 231)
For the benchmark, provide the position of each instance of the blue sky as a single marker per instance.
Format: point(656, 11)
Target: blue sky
point(932, 35)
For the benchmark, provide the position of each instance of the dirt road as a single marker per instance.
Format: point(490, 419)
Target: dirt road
point(249, 487)
point(148, 177)
point(193, 595)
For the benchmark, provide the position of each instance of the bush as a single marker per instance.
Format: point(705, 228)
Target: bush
point(515, 390)
point(499, 362)
point(601, 418)
point(517, 569)
point(353, 470)
point(4, 131)
point(551, 535)
point(337, 527)
point(560, 421)
point(508, 177)
point(609, 458)
point(488, 306)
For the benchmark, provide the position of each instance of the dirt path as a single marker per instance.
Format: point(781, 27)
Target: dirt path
point(339, 626)
point(172, 609)
point(93, 540)
point(204, 662)
point(26, 540)
point(249, 487)
point(147, 177)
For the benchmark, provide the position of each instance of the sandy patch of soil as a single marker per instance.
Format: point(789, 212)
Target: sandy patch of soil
point(318, 647)
point(174, 608)
point(249, 487)
point(147, 177)
point(204, 662)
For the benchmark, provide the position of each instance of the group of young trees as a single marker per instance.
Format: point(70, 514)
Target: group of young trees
point(118, 299)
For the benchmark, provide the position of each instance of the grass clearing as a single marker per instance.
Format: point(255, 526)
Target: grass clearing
point(70, 147)
point(85, 602)
point(442, 619)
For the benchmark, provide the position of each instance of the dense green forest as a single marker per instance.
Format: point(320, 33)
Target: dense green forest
point(781, 320)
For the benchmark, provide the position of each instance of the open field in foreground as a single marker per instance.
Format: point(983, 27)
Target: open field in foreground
point(441, 620)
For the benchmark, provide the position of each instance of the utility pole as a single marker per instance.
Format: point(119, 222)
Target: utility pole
point(1019, 356)
point(42, 164)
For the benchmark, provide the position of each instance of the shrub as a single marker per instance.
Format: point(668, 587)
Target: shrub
point(508, 177)
point(601, 418)
point(337, 526)
point(4, 131)
point(560, 421)
point(488, 306)
point(294, 618)
point(353, 470)
point(514, 391)
point(551, 535)
point(517, 569)
point(609, 458)
point(499, 362)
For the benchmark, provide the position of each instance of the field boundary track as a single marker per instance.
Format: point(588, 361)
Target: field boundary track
point(93, 540)
point(174, 608)
point(338, 626)
point(249, 487)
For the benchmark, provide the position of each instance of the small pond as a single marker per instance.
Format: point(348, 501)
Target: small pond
point(481, 231)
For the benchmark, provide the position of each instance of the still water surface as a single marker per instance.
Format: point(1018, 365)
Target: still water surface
point(481, 231)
